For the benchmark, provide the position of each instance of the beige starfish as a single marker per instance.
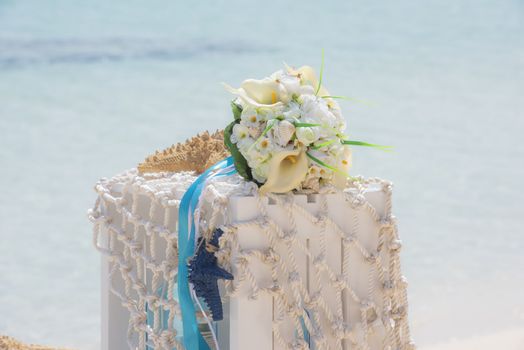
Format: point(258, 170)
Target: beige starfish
point(7, 343)
point(196, 154)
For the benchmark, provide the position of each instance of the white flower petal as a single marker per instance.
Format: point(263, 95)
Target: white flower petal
point(287, 169)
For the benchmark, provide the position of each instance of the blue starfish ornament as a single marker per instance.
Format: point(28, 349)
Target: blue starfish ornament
point(204, 273)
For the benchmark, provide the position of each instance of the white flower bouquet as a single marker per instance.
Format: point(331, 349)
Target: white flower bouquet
point(288, 132)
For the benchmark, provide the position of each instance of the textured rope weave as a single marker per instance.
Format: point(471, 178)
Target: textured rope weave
point(142, 248)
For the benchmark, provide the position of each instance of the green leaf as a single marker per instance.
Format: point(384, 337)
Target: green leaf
point(324, 144)
point(305, 125)
point(239, 160)
point(321, 74)
point(365, 144)
point(237, 110)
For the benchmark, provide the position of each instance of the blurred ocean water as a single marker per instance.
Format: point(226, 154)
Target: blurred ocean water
point(88, 89)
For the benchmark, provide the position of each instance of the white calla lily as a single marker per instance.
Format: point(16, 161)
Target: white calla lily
point(287, 169)
point(260, 93)
point(265, 91)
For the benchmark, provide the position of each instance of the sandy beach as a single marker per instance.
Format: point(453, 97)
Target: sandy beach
point(512, 339)
point(505, 340)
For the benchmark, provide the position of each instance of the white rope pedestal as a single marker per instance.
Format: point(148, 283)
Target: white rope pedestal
point(311, 271)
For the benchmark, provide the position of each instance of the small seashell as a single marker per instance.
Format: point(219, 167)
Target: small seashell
point(284, 132)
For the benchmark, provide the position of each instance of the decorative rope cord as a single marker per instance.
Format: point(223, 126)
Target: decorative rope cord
point(140, 242)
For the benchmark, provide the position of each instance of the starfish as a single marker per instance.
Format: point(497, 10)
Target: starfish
point(196, 154)
point(204, 274)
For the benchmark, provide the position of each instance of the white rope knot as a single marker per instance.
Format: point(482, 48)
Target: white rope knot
point(348, 239)
point(294, 277)
point(242, 260)
point(120, 202)
point(356, 200)
point(388, 285)
point(319, 220)
point(168, 339)
point(398, 313)
point(372, 257)
point(395, 245)
point(152, 301)
point(339, 283)
point(262, 221)
point(319, 262)
point(340, 329)
point(275, 289)
point(138, 318)
point(288, 237)
point(387, 186)
point(135, 247)
point(366, 304)
point(314, 301)
point(271, 257)
point(388, 322)
point(388, 223)
point(299, 344)
point(125, 268)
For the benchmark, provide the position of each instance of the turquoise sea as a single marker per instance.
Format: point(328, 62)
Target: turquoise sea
point(89, 88)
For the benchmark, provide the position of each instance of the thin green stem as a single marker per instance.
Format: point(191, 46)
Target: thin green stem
point(321, 74)
point(305, 125)
point(318, 161)
point(366, 144)
point(324, 144)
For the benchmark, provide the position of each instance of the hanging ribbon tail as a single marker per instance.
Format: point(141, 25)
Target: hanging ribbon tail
point(192, 338)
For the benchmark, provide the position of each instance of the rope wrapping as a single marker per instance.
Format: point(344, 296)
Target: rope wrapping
point(135, 225)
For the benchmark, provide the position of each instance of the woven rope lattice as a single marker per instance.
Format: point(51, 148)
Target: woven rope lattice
point(135, 227)
point(141, 244)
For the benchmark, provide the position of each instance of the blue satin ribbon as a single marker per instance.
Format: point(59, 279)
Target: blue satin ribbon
point(192, 339)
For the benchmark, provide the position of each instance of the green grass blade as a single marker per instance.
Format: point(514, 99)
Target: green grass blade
point(305, 125)
point(324, 144)
point(321, 163)
point(321, 74)
point(366, 144)
point(269, 125)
